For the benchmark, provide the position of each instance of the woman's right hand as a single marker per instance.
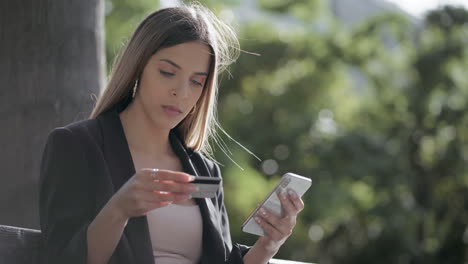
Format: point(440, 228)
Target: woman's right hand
point(149, 189)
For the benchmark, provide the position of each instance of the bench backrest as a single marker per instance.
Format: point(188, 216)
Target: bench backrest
point(19, 245)
point(22, 246)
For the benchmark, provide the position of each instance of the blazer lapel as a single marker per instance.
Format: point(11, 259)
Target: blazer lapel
point(121, 168)
point(213, 245)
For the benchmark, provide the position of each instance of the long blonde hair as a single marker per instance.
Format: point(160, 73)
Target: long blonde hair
point(164, 28)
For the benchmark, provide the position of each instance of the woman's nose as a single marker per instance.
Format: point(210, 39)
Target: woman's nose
point(182, 90)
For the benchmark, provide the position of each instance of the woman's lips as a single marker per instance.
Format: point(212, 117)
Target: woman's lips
point(171, 110)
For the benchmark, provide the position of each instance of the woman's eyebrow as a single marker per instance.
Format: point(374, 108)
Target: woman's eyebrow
point(180, 68)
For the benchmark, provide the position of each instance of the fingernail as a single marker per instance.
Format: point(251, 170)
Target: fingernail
point(292, 193)
point(257, 219)
point(262, 211)
point(191, 178)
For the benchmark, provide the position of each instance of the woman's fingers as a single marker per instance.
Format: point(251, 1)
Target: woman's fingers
point(152, 188)
point(283, 225)
point(144, 202)
point(280, 228)
point(172, 197)
point(167, 186)
point(296, 200)
point(165, 175)
point(158, 197)
point(167, 181)
point(290, 210)
point(270, 230)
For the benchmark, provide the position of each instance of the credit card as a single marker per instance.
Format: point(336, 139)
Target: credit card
point(207, 186)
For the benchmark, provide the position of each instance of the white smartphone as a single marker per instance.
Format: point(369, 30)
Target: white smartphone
point(297, 183)
point(207, 186)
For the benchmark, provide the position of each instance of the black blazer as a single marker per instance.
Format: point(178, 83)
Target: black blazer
point(83, 165)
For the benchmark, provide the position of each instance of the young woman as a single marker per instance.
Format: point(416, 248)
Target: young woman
point(116, 188)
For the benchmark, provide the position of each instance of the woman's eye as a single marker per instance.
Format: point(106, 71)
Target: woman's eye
point(197, 83)
point(166, 73)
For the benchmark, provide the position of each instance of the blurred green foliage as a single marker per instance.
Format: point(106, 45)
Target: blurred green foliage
point(376, 115)
point(121, 19)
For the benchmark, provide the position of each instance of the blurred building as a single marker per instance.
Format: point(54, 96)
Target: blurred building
point(351, 12)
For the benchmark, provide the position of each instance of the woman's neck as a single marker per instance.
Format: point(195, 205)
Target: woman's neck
point(142, 135)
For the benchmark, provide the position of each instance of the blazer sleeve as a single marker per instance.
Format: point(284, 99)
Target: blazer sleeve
point(66, 198)
point(238, 251)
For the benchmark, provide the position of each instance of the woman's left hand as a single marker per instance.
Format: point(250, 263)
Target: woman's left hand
point(278, 229)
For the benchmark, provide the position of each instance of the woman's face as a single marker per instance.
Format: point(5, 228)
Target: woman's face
point(172, 82)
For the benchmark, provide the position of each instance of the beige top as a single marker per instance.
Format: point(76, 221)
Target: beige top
point(176, 234)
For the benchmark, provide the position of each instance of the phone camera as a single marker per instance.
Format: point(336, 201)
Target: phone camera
point(285, 182)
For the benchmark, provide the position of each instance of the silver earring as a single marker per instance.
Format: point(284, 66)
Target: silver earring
point(135, 88)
